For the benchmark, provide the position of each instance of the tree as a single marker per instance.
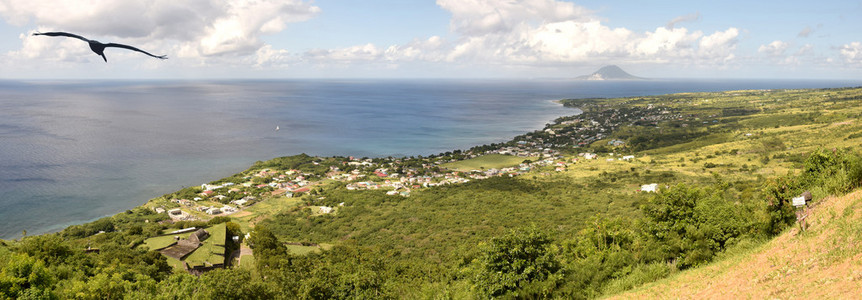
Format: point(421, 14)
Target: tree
point(233, 284)
point(25, 276)
point(515, 261)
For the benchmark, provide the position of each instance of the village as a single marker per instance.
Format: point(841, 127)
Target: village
point(557, 148)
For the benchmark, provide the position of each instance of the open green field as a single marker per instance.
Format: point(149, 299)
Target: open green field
point(247, 262)
point(252, 214)
point(160, 242)
point(212, 251)
point(490, 161)
point(302, 250)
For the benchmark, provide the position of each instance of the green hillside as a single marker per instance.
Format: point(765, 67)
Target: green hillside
point(576, 218)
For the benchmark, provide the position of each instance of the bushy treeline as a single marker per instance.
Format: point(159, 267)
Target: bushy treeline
point(824, 172)
point(98, 260)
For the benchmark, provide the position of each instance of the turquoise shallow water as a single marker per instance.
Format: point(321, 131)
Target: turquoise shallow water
point(71, 152)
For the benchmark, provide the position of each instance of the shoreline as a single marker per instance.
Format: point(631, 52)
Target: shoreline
point(144, 201)
point(60, 227)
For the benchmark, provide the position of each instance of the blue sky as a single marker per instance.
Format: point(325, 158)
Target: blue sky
point(434, 39)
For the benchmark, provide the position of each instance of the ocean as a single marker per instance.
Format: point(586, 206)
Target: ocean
point(75, 151)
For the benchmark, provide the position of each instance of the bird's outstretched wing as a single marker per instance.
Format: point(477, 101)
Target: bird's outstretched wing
point(59, 33)
point(135, 49)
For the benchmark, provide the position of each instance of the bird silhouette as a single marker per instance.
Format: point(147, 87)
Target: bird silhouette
point(99, 47)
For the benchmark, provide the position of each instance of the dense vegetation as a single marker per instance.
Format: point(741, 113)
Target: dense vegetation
point(727, 165)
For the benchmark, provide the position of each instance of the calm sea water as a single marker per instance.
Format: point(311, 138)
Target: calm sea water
point(71, 152)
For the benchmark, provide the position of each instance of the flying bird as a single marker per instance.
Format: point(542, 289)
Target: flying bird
point(97, 46)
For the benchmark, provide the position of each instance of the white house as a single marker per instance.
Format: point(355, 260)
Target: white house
point(652, 187)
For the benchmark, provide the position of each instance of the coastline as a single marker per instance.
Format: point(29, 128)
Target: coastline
point(202, 160)
point(147, 203)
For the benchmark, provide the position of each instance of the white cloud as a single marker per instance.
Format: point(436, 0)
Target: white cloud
point(806, 49)
point(776, 51)
point(480, 17)
point(367, 52)
point(190, 29)
point(664, 42)
point(426, 50)
point(776, 48)
point(719, 45)
point(547, 32)
point(805, 32)
point(852, 53)
point(491, 32)
point(266, 56)
point(686, 18)
point(572, 41)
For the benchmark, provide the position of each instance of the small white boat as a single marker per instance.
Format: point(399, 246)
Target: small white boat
point(276, 128)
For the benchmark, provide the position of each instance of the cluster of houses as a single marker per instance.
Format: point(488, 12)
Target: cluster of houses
point(539, 148)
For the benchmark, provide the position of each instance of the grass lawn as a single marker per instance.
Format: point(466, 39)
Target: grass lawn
point(175, 263)
point(247, 262)
point(213, 249)
point(163, 241)
point(491, 161)
point(263, 208)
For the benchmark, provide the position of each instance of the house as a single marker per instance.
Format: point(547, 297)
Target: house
point(185, 246)
point(649, 188)
point(213, 211)
point(628, 157)
point(228, 209)
point(159, 210)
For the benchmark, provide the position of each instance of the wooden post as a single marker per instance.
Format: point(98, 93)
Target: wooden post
point(801, 204)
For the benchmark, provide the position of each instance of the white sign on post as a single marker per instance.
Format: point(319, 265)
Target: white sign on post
point(798, 201)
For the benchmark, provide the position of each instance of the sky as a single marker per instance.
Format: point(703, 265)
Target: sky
point(210, 39)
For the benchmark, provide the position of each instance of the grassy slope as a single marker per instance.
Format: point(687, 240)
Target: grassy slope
point(213, 248)
point(160, 242)
point(825, 261)
point(491, 161)
point(253, 214)
point(441, 219)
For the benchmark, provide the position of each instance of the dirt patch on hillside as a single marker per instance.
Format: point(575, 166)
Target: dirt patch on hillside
point(241, 214)
point(823, 262)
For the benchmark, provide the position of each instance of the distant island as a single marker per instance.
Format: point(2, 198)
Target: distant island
point(610, 72)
